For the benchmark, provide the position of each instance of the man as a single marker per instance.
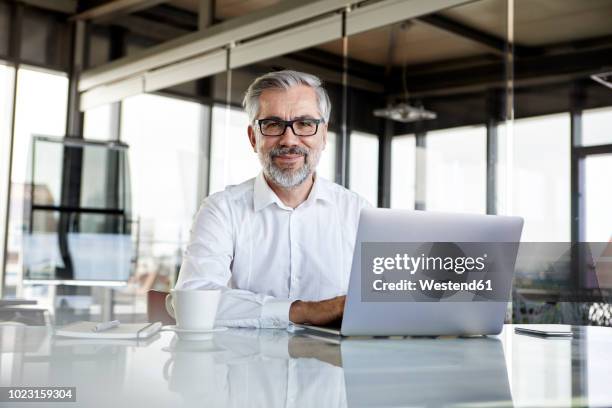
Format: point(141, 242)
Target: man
point(280, 245)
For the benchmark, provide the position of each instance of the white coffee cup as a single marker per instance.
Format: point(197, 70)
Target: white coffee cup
point(193, 309)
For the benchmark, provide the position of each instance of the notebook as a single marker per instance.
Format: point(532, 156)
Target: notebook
point(85, 330)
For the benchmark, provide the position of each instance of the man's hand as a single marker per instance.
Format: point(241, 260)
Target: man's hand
point(317, 313)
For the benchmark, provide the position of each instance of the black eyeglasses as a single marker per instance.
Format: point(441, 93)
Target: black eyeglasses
point(300, 127)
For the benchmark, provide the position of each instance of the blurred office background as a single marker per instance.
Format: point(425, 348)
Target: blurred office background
point(489, 106)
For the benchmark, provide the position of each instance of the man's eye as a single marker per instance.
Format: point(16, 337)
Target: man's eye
point(306, 123)
point(272, 125)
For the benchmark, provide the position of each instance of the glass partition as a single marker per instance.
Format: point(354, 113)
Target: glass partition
point(598, 199)
point(440, 77)
point(363, 165)
point(597, 126)
point(556, 155)
point(164, 137)
point(403, 172)
point(327, 161)
point(98, 123)
point(541, 176)
point(7, 77)
point(42, 95)
point(456, 170)
point(76, 213)
point(232, 158)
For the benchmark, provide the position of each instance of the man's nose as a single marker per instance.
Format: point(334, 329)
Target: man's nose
point(288, 138)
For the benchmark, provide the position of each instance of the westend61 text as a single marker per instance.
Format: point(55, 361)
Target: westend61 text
point(430, 284)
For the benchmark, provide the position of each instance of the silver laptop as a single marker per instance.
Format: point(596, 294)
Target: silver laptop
point(427, 318)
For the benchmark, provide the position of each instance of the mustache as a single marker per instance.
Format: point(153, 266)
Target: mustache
point(281, 151)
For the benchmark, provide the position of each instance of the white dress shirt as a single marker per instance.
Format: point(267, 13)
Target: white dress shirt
point(264, 255)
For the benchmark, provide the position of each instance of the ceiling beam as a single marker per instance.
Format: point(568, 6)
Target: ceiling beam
point(493, 43)
point(282, 15)
point(115, 8)
point(286, 14)
point(171, 15)
point(527, 72)
point(154, 30)
point(62, 6)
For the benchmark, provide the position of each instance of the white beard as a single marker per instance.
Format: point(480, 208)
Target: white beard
point(289, 178)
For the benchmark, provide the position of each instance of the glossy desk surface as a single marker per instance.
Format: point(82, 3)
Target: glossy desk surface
point(273, 368)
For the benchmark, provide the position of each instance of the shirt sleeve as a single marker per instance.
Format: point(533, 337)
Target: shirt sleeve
point(206, 265)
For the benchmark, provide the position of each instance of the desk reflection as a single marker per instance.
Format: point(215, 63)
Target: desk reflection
point(242, 367)
point(270, 368)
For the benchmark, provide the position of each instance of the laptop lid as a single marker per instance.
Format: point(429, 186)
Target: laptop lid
point(467, 315)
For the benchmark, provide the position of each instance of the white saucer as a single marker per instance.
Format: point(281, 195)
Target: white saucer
point(185, 334)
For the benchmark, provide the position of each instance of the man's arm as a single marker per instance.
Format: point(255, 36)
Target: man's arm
point(317, 313)
point(206, 265)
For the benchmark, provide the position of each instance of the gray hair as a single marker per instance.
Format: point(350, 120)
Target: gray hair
point(285, 80)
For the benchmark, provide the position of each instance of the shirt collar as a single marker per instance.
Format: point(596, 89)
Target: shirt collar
point(264, 196)
point(321, 190)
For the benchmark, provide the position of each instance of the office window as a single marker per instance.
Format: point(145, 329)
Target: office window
point(232, 157)
point(163, 135)
point(539, 176)
point(403, 165)
point(42, 98)
point(7, 75)
point(363, 176)
point(455, 170)
point(40, 108)
point(597, 126)
point(598, 197)
point(327, 161)
point(98, 122)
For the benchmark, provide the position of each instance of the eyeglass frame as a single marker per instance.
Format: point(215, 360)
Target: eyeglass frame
point(289, 124)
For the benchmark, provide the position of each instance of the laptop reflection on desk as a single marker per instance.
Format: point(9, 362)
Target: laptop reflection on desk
point(425, 372)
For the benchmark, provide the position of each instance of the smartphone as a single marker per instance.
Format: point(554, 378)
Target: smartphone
point(546, 331)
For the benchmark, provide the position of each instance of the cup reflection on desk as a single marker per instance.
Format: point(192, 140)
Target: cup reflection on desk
point(193, 309)
point(190, 370)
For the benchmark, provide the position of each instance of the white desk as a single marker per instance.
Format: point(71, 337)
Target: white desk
point(270, 368)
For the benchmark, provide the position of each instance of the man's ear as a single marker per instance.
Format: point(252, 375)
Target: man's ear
point(252, 138)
